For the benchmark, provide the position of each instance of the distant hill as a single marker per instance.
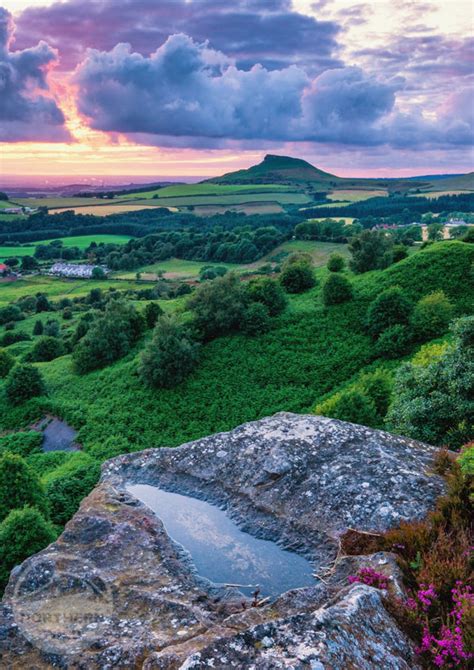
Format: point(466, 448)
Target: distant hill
point(462, 182)
point(278, 170)
point(302, 175)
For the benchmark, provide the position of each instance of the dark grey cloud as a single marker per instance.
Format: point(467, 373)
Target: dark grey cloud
point(26, 110)
point(188, 94)
point(268, 32)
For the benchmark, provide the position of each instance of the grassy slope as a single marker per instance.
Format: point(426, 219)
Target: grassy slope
point(310, 351)
point(176, 267)
point(59, 288)
point(81, 241)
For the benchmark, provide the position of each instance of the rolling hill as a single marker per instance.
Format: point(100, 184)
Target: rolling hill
point(302, 175)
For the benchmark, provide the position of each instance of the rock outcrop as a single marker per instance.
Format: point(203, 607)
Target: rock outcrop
point(114, 591)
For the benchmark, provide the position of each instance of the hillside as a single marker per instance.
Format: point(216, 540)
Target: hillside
point(301, 174)
point(463, 182)
point(278, 169)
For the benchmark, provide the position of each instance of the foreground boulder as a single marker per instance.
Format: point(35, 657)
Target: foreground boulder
point(114, 591)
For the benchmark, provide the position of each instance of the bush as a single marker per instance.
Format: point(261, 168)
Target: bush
point(336, 289)
point(23, 444)
point(378, 386)
point(152, 312)
point(13, 338)
point(52, 328)
point(38, 327)
point(170, 356)
point(7, 361)
point(432, 315)
point(371, 250)
point(109, 338)
point(399, 252)
point(24, 382)
point(19, 486)
point(67, 314)
point(219, 306)
point(24, 532)
point(434, 403)
point(350, 405)
point(47, 349)
point(42, 303)
point(336, 263)
point(390, 308)
point(10, 313)
point(297, 277)
point(64, 493)
point(394, 342)
point(268, 292)
point(256, 319)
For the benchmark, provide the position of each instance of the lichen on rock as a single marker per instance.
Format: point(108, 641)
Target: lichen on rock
point(124, 596)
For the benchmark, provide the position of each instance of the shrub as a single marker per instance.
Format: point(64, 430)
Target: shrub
point(152, 312)
point(399, 252)
point(219, 306)
point(371, 250)
point(297, 277)
point(51, 328)
point(19, 486)
point(109, 338)
point(336, 263)
point(432, 315)
point(378, 386)
point(170, 356)
point(388, 309)
point(67, 314)
point(13, 338)
point(7, 361)
point(434, 403)
point(394, 342)
point(64, 493)
point(268, 292)
point(351, 405)
point(10, 313)
point(24, 382)
point(256, 319)
point(24, 532)
point(336, 289)
point(47, 349)
point(42, 303)
point(38, 327)
point(23, 443)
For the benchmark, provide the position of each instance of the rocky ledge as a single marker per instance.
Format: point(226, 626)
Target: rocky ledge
point(114, 591)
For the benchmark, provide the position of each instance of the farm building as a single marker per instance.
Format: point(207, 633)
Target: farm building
point(75, 270)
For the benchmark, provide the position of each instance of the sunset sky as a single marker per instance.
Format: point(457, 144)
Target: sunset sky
point(182, 88)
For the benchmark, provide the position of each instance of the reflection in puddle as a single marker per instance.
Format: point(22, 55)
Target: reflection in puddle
point(222, 552)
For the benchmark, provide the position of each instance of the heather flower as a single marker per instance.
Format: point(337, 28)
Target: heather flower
point(370, 577)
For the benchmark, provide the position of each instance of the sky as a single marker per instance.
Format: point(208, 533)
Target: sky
point(188, 88)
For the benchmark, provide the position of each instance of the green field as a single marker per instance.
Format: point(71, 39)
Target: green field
point(355, 195)
point(176, 268)
point(57, 288)
point(80, 241)
point(105, 210)
point(181, 190)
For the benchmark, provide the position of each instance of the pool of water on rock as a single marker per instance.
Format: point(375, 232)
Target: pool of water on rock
point(221, 552)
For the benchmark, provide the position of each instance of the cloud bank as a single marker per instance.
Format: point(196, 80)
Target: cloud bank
point(27, 112)
point(269, 32)
point(187, 89)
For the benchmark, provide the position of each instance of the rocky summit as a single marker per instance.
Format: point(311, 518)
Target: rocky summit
point(115, 591)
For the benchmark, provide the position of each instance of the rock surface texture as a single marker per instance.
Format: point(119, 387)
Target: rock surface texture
point(114, 591)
